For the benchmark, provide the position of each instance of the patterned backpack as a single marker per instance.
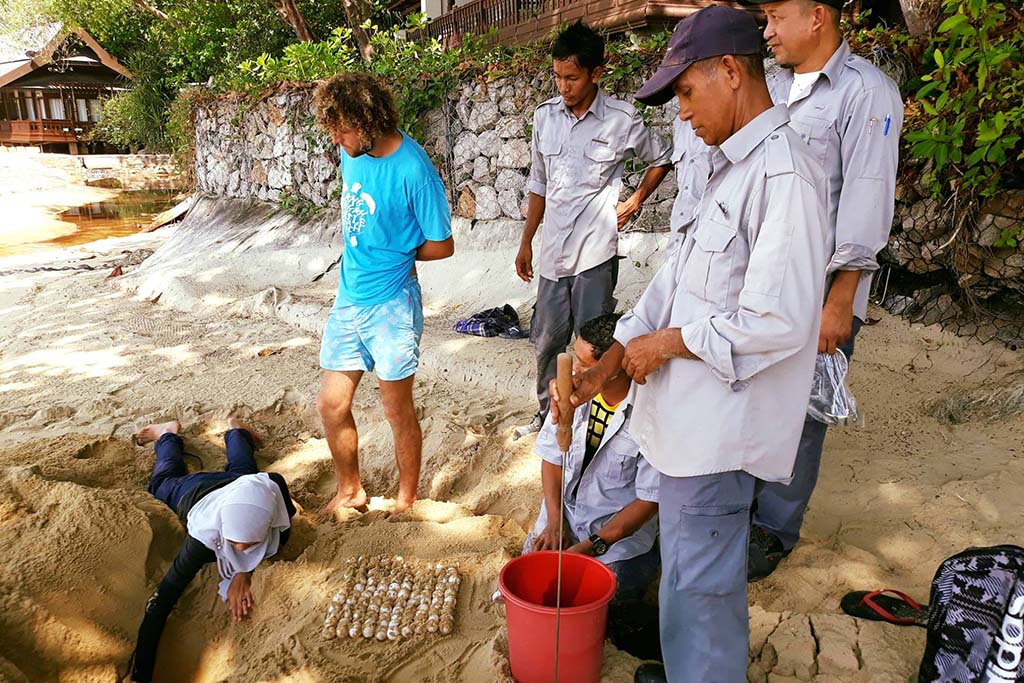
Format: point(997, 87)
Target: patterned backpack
point(976, 618)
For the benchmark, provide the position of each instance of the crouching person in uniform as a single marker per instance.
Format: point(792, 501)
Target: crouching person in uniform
point(610, 494)
point(722, 342)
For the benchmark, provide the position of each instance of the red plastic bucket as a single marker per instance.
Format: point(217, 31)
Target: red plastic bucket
point(528, 585)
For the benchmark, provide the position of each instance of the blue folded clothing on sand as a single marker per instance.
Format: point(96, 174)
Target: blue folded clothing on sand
point(494, 322)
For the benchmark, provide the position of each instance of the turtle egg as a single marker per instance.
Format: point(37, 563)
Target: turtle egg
point(358, 588)
point(392, 634)
point(381, 635)
point(353, 631)
point(367, 632)
point(445, 628)
point(329, 633)
point(431, 627)
point(406, 631)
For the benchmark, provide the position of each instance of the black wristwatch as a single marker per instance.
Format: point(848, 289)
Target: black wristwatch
point(600, 547)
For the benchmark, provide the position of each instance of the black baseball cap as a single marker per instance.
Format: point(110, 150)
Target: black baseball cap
point(838, 4)
point(714, 31)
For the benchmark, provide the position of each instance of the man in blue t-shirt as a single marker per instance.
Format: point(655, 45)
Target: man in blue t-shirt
point(394, 213)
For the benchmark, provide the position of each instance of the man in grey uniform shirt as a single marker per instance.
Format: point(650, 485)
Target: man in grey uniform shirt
point(849, 115)
point(581, 141)
point(722, 343)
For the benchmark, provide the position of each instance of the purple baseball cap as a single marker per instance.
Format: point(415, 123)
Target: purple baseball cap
point(714, 31)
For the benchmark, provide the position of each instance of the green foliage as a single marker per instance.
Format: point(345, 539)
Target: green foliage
point(137, 118)
point(968, 113)
point(419, 73)
point(631, 59)
point(299, 207)
point(181, 127)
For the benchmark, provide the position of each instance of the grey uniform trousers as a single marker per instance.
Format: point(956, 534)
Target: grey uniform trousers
point(780, 508)
point(705, 529)
point(562, 308)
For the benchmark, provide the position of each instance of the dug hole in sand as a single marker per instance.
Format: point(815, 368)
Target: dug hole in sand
point(226, 316)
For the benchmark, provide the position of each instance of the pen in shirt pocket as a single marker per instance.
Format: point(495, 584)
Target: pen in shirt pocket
point(888, 120)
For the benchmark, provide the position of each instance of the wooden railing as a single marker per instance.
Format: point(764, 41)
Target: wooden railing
point(46, 130)
point(519, 21)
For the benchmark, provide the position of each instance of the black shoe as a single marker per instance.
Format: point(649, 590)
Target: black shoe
point(764, 553)
point(650, 672)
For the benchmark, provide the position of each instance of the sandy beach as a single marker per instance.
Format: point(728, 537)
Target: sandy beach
point(85, 361)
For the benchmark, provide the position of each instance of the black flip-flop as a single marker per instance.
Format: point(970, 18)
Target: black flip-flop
point(901, 610)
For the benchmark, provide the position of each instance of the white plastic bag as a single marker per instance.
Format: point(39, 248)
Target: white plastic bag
point(832, 402)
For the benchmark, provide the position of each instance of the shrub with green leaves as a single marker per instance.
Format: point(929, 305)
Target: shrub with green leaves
point(968, 114)
point(419, 73)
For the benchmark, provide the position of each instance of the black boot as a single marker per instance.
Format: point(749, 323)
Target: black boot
point(650, 672)
point(763, 554)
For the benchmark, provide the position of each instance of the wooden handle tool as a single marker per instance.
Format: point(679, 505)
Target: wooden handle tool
point(565, 411)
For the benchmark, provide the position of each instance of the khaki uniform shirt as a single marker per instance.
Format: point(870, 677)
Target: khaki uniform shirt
point(745, 287)
point(577, 167)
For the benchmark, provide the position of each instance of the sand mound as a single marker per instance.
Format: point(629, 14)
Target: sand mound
point(80, 562)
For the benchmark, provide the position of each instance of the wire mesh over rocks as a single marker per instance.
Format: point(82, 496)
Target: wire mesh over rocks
point(958, 265)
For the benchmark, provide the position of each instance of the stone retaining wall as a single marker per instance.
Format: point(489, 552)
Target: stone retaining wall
point(479, 139)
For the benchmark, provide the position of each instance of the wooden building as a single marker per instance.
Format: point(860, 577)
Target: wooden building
point(53, 82)
point(523, 21)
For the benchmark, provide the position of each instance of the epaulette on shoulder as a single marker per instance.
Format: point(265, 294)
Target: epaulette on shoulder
point(621, 105)
point(778, 154)
point(871, 75)
point(553, 101)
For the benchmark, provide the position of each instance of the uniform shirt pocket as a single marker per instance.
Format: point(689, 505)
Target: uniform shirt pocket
point(816, 134)
point(619, 459)
point(555, 165)
point(600, 158)
point(708, 270)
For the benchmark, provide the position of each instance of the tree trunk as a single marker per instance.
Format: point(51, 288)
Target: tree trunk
point(292, 15)
point(913, 15)
point(156, 12)
point(358, 11)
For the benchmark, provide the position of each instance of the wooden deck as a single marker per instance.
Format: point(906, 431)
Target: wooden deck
point(523, 21)
point(43, 132)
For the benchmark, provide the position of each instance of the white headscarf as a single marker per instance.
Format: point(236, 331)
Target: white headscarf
point(250, 509)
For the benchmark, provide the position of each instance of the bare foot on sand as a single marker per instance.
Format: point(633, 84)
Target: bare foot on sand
point(155, 431)
point(403, 503)
point(356, 500)
point(235, 423)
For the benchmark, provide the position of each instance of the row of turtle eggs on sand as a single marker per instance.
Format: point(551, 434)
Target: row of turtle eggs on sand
point(388, 598)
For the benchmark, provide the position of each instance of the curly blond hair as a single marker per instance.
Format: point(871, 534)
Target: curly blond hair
point(359, 101)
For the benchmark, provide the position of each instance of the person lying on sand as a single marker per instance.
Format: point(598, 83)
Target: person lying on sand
point(236, 518)
point(610, 491)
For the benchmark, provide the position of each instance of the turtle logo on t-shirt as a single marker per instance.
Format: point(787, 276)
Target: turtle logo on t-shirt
point(355, 207)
